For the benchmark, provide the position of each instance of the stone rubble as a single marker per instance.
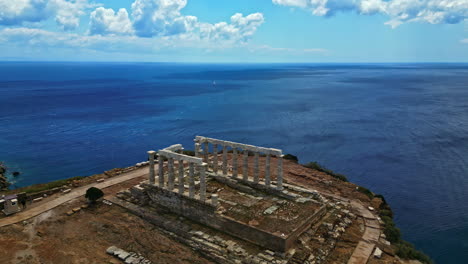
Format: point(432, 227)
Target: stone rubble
point(127, 257)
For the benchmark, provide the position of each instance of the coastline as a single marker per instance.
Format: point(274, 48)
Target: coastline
point(400, 248)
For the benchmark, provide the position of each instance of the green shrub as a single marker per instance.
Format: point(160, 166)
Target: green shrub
point(93, 194)
point(365, 191)
point(50, 185)
point(406, 250)
point(314, 165)
point(291, 158)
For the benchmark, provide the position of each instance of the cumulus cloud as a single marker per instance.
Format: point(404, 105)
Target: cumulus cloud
point(106, 22)
point(163, 18)
point(160, 18)
point(65, 12)
point(241, 28)
point(464, 41)
point(399, 11)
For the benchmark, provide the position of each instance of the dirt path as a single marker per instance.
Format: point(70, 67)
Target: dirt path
point(78, 192)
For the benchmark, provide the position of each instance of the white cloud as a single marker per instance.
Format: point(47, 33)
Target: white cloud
point(65, 12)
point(160, 18)
point(163, 18)
point(106, 22)
point(241, 28)
point(464, 41)
point(399, 11)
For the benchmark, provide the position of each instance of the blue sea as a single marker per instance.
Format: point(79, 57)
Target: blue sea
point(399, 129)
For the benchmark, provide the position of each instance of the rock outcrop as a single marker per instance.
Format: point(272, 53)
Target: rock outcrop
point(4, 184)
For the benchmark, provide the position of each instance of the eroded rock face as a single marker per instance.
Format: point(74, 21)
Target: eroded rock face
point(4, 184)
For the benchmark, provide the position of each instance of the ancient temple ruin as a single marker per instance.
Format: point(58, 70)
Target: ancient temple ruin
point(225, 186)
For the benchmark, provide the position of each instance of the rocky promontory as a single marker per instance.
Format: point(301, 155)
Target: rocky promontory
point(4, 184)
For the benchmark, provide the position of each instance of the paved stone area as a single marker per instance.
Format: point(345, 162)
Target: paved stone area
point(78, 192)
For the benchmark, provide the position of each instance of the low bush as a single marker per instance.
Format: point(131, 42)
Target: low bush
point(93, 194)
point(406, 250)
point(50, 185)
point(188, 152)
point(291, 158)
point(316, 166)
point(365, 191)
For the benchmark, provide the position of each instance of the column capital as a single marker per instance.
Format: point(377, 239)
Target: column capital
point(151, 152)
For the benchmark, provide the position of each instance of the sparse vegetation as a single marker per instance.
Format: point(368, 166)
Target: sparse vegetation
point(49, 185)
point(291, 158)
point(365, 191)
point(316, 166)
point(188, 152)
point(404, 249)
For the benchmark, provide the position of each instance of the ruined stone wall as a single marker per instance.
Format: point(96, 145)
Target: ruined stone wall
point(205, 213)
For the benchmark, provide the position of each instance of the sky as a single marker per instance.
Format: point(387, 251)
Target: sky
point(241, 31)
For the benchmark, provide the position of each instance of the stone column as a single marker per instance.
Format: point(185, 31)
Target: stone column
point(152, 177)
point(181, 177)
point(256, 168)
point(267, 171)
point(225, 163)
point(197, 150)
point(202, 169)
point(245, 167)
point(205, 152)
point(234, 163)
point(191, 181)
point(215, 158)
point(161, 171)
point(214, 200)
point(170, 180)
point(279, 177)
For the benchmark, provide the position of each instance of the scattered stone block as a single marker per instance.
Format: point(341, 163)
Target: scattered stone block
point(270, 210)
point(110, 250)
point(66, 191)
point(70, 213)
point(99, 180)
point(77, 209)
point(84, 206)
point(377, 253)
point(37, 199)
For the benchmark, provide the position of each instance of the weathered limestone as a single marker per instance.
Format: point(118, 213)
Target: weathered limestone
point(202, 170)
point(197, 150)
point(170, 180)
point(191, 181)
point(215, 158)
point(206, 152)
point(161, 171)
point(279, 177)
point(181, 177)
point(245, 173)
point(214, 200)
point(267, 171)
point(245, 149)
point(152, 176)
point(225, 160)
point(234, 163)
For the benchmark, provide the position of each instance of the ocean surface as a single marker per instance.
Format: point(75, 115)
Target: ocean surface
point(399, 129)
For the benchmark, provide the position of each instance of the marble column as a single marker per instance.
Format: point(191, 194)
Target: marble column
point(181, 177)
point(225, 163)
point(267, 171)
point(206, 152)
point(170, 180)
point(245, 166)
point(215, 158)
point(279, 177)
point(256, 168)
point(152, 177)
point(214, 200)
point(197, 150)
point(202, 169)
point(234, 163)
point(191, 181)
point(161, 171)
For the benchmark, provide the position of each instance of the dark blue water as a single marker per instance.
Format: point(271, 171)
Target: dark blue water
point(399, 129)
